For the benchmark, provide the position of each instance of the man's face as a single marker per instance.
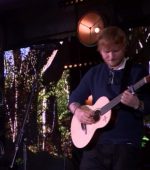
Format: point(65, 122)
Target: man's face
point(112, 56)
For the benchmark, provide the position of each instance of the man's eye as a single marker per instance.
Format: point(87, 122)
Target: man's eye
point(107, 51)
point(115, 51)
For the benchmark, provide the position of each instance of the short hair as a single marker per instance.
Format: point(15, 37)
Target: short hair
point(111, 35)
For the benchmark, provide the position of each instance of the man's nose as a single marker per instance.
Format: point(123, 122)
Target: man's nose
point(111, 54)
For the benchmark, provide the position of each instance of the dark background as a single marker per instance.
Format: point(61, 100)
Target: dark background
point(26, 22)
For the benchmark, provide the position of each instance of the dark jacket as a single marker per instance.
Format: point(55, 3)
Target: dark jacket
point(101, 81)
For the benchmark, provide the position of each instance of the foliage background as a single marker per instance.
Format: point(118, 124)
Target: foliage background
point(36, 110)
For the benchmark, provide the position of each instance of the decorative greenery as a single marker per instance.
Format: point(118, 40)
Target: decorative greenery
point(48, 124)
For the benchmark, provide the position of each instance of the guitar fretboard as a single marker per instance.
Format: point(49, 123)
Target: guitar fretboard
point(117, 99)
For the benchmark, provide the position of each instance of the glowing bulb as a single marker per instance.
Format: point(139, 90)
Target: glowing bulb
point(97, 30)
point(75, 65)
point(65, 67)
point(61, 42)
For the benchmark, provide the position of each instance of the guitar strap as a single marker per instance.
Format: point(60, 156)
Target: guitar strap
point(125, 81)
point(126, 75)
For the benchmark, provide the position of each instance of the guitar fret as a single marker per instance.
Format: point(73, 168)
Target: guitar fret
point(139, 84)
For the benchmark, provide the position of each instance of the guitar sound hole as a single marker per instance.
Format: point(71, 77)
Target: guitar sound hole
point(96, 115)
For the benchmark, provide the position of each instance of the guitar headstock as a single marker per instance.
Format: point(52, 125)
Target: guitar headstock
point(147, 79)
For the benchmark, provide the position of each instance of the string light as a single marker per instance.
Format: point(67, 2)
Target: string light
point(141, 45)
point(78, 65)
point(61, 42)
point(70, 2)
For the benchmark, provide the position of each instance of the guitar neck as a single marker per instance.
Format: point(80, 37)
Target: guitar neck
point(110, 105)
point(139, 84)
point(117, 99)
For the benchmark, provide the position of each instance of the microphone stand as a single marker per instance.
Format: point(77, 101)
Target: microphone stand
point(22, 130)
point(24, 154)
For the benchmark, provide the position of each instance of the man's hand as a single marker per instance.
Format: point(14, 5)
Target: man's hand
point(130, 99)
point(84, 115)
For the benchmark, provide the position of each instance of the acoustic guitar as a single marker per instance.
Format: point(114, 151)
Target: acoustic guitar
point(82, 134)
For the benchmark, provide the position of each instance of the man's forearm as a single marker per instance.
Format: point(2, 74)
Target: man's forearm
point(74, 106)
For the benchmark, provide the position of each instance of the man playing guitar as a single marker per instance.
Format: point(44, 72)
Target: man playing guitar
point(118, 87)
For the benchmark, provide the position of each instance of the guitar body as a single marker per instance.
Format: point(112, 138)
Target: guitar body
point(82, 136)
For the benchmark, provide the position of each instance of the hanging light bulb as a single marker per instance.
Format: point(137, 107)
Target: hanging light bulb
point(97, 30)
